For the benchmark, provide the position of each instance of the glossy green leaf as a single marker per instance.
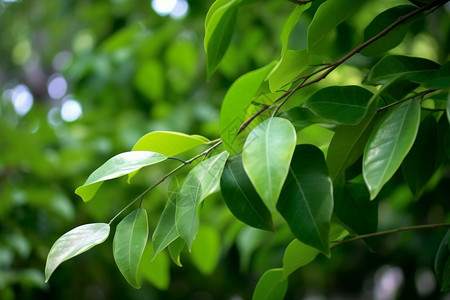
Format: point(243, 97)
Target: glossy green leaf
point(289, 25)
point(129, 244)
point(266, 157)
point(392, 38)
point(354, 208)
point(417, 171)
point(341, 104)
point(165, 231)
point(74, 242)
point(157, 270)
point(306, 201)
point(206, 249)
point(389, 144)
point(442, 263)
point(168, 143)
point(271, 286)
point(241, 197)
point(201, 181)
point(235, 104)
point(175, 249)
point(219, 27)
point(297, 255)
point(328, 16)
point(440, 79)
point(117, 166)
point(291, 65)
point(301, 117)
point(412, 68)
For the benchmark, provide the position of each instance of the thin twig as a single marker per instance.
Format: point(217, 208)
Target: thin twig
point(421, 95)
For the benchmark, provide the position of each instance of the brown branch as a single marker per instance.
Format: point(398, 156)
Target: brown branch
point(421, 95)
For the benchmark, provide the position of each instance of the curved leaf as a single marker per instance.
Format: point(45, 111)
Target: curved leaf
point(328, 16)
point(74, 242)
point(392, 66)
point(241, 197)
point(306, 201)
point(235, 104)
point(165, 231)
point(129, 244)
point(393, 37)
point(292, 64)
point(301, 117)
point(117, 166)
point(342, 104)
point(389, 144)
point(266, 157)
point(271, 286)
point(168, 143)
point(202, 181)
point(442, 263)
point(175, 249)
point(297, 255)
point(289, 25)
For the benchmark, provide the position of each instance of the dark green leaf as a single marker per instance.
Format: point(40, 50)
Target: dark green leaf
point(389, 144)
point(440, 79)
point(271, 286)
point(117, 166)
point(129, 244)
point(341, 104)
point(266, 157)
point(74, 242)
point(242, 198)
point(442, 263)
point(306, 201)
point(301, 117)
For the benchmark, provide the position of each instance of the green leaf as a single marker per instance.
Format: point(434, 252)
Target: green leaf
point(168, 143)
point(297, 255)
point(328, 16)
point(165, 231)
point(441, 78)
point(412, 68)
point(301, 117)
point(389, 144)
point(442, 263)
point(175, 249)
point(341, 104)
point(156, 270)
point(241, 197)
point(235, 104)
point(417, 171)
point(129, 244)
point(266, 157)
point(117, 166)
point(219, 27)
point(306, 201)
point(289, 25)
point(291, 65)
point(271, 286)
point(248, 241)
point(206, 249)
point(201, 181)
point(393, 37)
point(74, 242)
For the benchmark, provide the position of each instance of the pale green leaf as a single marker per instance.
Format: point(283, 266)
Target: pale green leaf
point(201, 181)
point(389, 144)
point(117, 166)
point(271, 286)
point(266, 157)
point(168, 143)
point(129, 244)
point(297, 255)
point(74, 242)
point(291, 65)
point(165, 231)
point(289, 25)
point(175, 249)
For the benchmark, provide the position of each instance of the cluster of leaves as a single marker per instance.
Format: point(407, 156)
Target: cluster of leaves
point(269, 169)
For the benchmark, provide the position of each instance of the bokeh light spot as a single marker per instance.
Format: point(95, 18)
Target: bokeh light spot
point(71, 110)
point(57, 86)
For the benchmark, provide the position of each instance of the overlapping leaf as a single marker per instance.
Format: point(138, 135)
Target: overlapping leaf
point(271, 286)
point(442, 263)
point(117, 166)
point(266, 157)
point(297, 255)
point(168, 143)
point(129, 244)
point(206, 249)
point(74, 242)
point(165, 231)
point(292, 63)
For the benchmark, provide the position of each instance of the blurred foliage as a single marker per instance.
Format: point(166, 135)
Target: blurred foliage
point(133, 71)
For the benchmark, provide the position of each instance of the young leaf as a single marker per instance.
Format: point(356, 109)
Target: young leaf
point(235, 104)
point(306, 201)
point(129, 244)
point(165, 231)
point(328, 16)
point(271, 286)
point(341, 104)
point(242, 198)
point(266, 157)
point(297, 255)
point(392, 38)
point(292, 63)
point(442, 263)
point(417, 171)
point(74, 242)
point(392, 66)
point(201, 181)
point(175, 249)
point(219, 27)
point(389, 144)
point(206, 249)
point(117, 166)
